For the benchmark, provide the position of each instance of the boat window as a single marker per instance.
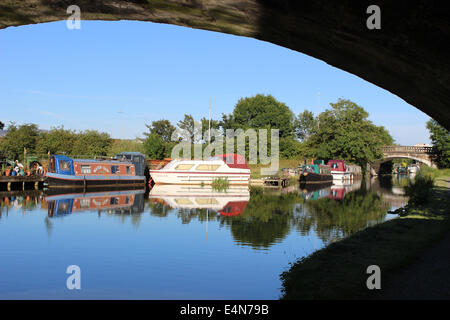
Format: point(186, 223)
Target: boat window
point(184, 166)
point(64, 165)
point(85, 203)
point(114, 201)
point(183, 201)
point(115, 169)
point(128, 170)
point(204, 201)
point(85, 169)
point(207, 167)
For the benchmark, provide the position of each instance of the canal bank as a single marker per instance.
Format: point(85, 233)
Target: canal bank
point(399, 247)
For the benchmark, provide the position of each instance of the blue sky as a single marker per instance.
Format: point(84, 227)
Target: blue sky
point(81, 79)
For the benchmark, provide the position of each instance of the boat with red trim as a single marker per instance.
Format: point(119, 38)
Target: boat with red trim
point(65, 172)
point(231, 167)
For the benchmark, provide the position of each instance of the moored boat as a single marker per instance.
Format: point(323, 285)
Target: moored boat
point(65, 172)
point(339, 170)
point(230, 167)
point(315, 173)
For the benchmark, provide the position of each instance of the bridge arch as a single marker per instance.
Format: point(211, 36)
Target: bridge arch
point(396, 57)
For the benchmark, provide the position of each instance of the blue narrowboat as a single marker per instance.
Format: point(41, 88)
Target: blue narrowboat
point(65, 172)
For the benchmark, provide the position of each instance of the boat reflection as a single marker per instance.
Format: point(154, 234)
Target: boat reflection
point(117, 202)
point(336, 190)
point(229, 202)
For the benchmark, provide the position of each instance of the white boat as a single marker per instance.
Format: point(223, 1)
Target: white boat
point(339, 170)
point(231, 167)
point(228, 202)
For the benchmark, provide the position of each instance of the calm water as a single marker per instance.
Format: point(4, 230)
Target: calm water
point(177, 242)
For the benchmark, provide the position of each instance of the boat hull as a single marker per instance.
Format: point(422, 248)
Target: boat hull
point(161, 177)
point(57, 181)
point(339, 175)
point(312, 177)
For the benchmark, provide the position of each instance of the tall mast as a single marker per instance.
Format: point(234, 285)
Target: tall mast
point(209, 125)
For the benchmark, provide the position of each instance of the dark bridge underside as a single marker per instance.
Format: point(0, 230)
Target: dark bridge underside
point(409, 56)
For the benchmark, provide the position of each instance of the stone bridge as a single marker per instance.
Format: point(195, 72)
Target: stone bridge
point(421, 154)
point(407, 54)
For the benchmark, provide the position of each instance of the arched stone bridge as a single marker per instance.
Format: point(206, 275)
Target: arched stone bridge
point(421, 154)
point(407, 54)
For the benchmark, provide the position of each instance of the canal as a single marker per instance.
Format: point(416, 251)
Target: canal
point(177, 242)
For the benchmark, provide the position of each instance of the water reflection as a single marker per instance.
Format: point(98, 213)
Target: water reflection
point(244, 227)
point(113, 202)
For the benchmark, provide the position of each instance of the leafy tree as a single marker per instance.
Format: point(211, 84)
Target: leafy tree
point(154, 146)
point(2, 125)
point(187, 124)
point(57, 140)
point(92, 143)
point(344, 132)
point(163, 128)
point(260, 112)
point(440, 138)
point(119, 146)
point(304, 125)
point(19, 137)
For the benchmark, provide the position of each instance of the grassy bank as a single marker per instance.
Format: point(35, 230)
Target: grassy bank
point(255, 169)
point(339, 270)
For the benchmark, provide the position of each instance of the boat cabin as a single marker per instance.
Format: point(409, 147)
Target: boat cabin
point(337, 165)
point(316, 168)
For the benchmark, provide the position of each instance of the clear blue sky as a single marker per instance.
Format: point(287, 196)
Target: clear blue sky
point(53, 76)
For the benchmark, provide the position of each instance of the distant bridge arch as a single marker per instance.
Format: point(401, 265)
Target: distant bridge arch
point(417, 153)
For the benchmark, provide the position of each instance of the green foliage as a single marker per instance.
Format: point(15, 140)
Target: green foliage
point(154, 146)
point(163, 128)
point(220, 184)
point(92, 143)
point(419, 191)
point(57, 140)
point(440, 138)
point(119, 146)
point(188, 126)
point(260, 112)
point(17, 138)
point(344, 132)
point(304, 125)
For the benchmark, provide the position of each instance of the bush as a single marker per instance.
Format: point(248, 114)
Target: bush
point(419, 191)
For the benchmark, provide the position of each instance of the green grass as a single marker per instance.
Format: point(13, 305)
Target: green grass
point(338, 271)
point(255, 169)
point(220, 184)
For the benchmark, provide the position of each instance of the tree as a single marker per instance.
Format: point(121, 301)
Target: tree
point(57, 140)
point(260, 112)
point(344, 132)
point(188, 125)
point(440, 138)
point(304, 125)
point(2, 125)
point(215, 124)
point(19, 137)
point(163, 128)
point(92, 143)
point(154, 146)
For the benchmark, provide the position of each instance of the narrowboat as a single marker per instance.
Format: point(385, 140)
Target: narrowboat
point(315, 173)
point(231, 167)
point(339, 170)
point(65, 172)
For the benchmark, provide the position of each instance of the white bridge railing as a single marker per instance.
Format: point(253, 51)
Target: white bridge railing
point(407, 149)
